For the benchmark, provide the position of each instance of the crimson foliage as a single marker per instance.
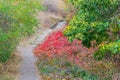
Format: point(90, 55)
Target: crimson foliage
point(57, 44)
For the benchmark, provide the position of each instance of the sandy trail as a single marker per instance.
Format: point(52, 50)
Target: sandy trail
point(28, 69)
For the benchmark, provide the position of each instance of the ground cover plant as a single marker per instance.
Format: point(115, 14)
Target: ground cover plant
point(17, 19)
point(59, 68)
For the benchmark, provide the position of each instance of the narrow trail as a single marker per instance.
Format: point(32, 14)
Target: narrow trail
point(28, 69)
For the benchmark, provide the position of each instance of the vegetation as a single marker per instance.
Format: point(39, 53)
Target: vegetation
point(59, 68)
point(95, 21)
point(87, 49)
point(70, 60)
point(17, 19)
point(111, 49)
point(9, 70)
point(90, 44)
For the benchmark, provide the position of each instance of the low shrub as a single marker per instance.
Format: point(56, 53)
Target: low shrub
point(95, 10)
point(91, 20)
point(56, 51)
point(57, 44)
point(96, 21)
point(59, 68)
point(17, 19)
point(108, 50)
point(86, 31)
point(104, 69)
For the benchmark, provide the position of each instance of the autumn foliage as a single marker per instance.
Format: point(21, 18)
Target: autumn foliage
point(57, 44)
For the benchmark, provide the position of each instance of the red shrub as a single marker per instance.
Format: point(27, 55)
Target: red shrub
point(52, 44)
point(57, 44)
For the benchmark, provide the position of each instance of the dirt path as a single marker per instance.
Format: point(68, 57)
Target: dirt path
point(28, 70)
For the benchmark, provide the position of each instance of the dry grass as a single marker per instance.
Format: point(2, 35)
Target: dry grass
point(56, 6)
point(9, 70)
point(55, 11)
point(48, 19)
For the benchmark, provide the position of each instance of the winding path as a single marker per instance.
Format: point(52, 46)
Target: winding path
point(28, 70)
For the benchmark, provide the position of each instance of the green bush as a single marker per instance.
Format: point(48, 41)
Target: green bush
point(109, 50)
point(17, 19)
point(87, 31)
point(96, 20)
point(96, 9)
point(91, 20)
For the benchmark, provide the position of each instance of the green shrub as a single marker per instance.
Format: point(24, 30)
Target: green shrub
point(91, 20)
point(114, 27)
point(96, 9)
point(4, 54)
point(96, 20)
point(17, 19)
point(87, 31)
point(109, 50)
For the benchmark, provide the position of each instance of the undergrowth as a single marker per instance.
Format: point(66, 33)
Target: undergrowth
point(17, 19)
point(88, 48)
